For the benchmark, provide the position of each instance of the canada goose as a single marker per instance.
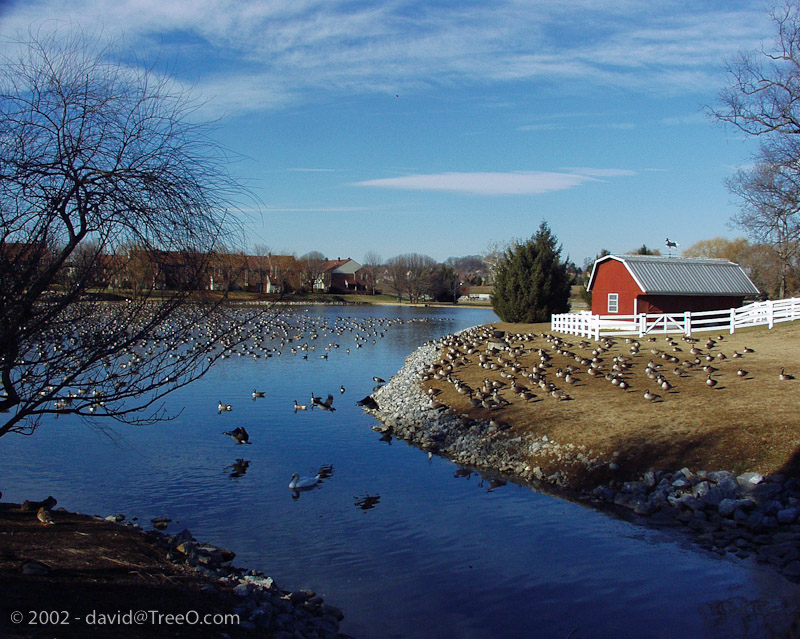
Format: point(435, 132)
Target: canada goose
point(327, 404)
point(223, 407)
point(303, 483)
point(239, 435)
point(368, 402)
point(341, 389)
point(299, 406)
point(741, 372)
point(784, 375)
point(257, 394)
point(711, 382)
point(378, 380)
point(650, 396)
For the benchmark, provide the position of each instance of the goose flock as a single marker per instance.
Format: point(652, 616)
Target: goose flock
point(536, 367)
point(55, 375)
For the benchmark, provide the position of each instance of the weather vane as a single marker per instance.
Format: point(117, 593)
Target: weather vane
point(671, 245)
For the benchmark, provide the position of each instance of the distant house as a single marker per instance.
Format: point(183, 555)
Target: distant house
point(633, 284)
point(344, 276)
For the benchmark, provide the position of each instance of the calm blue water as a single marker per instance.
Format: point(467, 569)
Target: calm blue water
point(442, 553)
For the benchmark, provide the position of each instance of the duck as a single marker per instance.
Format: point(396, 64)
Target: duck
point(239, 434)
point(257, 394)
point(223, 407)
point(44, 516)
point(784, 375)
point(303, 483)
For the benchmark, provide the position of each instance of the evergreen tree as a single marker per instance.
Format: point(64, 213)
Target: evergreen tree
point(532, 282)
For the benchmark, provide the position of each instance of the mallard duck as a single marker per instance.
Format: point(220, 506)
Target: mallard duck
point(44, 516)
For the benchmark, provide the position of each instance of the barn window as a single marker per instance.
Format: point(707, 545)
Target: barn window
point(613, 302)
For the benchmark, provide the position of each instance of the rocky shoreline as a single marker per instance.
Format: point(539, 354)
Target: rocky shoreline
point(260, 605)
point(90, 568)
point(746, 515)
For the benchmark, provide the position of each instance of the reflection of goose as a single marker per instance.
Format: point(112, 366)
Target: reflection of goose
point(303, 483)
point(239, 468)
point(239, 434)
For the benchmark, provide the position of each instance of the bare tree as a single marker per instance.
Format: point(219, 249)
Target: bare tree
point(260, 265)
point(770, 211)
point(372, 267)
point(763, 99)
point(420, 276)
point(312, 270)
point(397, 270)
point(98, 160)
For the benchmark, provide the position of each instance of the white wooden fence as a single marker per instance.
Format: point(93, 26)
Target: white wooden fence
point(767, 313)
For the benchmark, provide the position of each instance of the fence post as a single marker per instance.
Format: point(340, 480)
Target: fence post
point(687, 323)
point(770, 314)
point(642, 324)
point(733, 321)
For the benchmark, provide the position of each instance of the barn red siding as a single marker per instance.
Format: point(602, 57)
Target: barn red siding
point(613, 277)
point(681, 303)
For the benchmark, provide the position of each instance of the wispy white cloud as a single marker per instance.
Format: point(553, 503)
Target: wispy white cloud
point(264, 54)
point(487, 183)
point(322, 209)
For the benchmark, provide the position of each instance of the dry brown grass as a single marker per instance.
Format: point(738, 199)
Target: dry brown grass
point(743, 423)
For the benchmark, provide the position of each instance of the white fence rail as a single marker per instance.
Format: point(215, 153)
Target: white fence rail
point(766, 313)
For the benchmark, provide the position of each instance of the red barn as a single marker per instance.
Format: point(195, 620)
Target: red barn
point(632, 284)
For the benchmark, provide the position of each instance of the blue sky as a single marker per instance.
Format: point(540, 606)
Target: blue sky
point(443, 127)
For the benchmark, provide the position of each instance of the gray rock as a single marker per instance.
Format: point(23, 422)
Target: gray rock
point(242, 590)
point(750, 479)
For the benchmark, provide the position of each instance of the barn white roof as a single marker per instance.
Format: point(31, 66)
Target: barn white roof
point(658, 275)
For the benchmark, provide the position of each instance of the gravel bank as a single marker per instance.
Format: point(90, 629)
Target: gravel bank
point(747, 515)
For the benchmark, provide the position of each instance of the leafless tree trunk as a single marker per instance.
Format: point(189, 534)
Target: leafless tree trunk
point(312, 269)
point(372, 266)
point(770, 211)
point(99, 160)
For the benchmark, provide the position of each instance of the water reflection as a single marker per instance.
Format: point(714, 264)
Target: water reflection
point(238, 468)
point(367, 501)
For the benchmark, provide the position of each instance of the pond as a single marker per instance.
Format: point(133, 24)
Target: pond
point(406, 545)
